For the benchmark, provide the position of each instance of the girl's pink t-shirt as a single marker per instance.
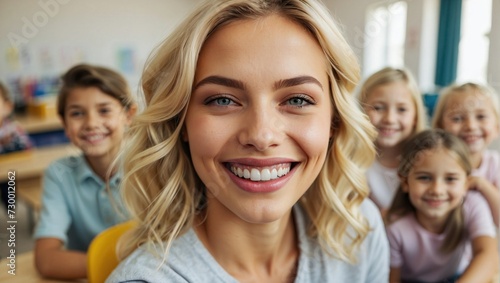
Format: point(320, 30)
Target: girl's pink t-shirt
point(416, 250)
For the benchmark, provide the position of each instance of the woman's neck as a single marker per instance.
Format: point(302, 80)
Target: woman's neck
point(261, 252)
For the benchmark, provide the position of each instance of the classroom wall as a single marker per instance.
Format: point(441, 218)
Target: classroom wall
point(45, 37)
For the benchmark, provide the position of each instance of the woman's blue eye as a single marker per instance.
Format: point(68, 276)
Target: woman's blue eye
point(224, 101)
point(219, 101)
point(299, 101)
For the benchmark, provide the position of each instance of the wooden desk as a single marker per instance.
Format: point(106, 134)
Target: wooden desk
point(25, 271)
point(34, 125)
point(32, 164)
point(29, 168)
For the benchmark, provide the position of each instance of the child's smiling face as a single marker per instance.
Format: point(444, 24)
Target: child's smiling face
point(471, 117)
point(392, 111)
point(436, 185)
point(95, 122)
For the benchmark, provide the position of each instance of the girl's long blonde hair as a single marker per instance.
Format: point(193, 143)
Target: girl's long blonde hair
point(161, 188)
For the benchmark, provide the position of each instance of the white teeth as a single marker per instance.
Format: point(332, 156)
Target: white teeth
point(265, 174)
point(255, 175)
point(274, 174)
point(280, 172)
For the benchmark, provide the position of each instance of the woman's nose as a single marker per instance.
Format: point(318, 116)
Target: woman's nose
point(261, 128)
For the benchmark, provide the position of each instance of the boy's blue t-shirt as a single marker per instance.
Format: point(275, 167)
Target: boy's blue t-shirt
point(76, 205)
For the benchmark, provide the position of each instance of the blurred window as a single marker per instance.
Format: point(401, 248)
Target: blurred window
point(384, 36)
point(474, 41)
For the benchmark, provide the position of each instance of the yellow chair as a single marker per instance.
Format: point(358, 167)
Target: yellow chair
point(101, 255)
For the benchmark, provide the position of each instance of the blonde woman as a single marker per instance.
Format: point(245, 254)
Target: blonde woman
point(392, 101)
point(247, 164)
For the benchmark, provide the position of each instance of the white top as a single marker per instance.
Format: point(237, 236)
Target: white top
point(416, 250)
point(383, 183)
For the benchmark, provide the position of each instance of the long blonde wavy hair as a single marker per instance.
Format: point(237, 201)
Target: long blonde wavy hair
point(161, 188)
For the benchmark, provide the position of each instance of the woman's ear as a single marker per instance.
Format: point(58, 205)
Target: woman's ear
point(130, 113)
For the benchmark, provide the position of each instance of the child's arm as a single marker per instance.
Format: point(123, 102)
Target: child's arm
point(484, 264)
point(395, 275)
point(490, 193)
point(52, 260)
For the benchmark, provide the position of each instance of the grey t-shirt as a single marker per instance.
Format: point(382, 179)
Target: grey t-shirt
point(189, 261)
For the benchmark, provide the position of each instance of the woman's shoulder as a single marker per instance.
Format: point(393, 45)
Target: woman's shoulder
point(141, 265)
point(371, 212)
point(186, 261)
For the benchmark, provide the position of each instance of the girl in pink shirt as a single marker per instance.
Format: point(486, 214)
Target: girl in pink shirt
point(472, 112)
point(437, 230)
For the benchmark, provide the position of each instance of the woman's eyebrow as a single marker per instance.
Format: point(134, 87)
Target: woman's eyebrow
point(297, 81)
point(219, 80)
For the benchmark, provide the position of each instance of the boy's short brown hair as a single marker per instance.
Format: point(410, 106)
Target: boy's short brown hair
point(84, 76)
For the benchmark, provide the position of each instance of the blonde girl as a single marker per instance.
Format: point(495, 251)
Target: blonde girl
point(439, 232)
point(247, 162)
point(472, 112)
point(392, 101)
